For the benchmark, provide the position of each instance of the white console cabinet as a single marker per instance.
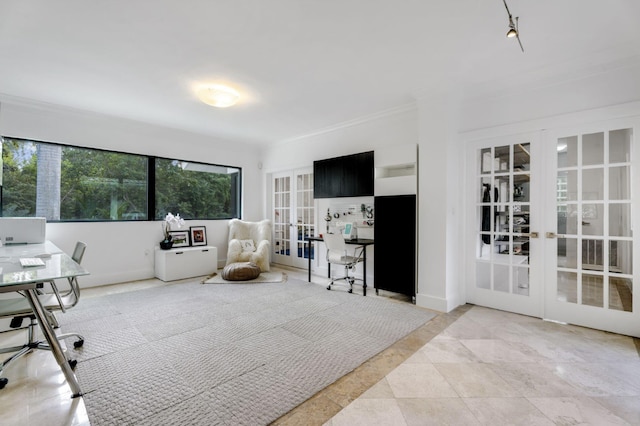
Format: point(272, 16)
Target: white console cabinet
point(185, 262)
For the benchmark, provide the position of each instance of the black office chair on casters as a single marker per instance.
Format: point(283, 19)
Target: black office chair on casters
point(18, 309)
point(337, 254)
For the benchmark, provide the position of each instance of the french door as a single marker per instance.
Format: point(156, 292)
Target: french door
point(504, 259)
point(293, 217)
point(551, 228)
point(590, 253)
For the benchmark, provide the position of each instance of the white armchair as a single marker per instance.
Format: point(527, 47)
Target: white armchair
point(250, 242)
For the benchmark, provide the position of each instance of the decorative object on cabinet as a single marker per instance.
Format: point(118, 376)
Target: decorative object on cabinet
point(170, 222)
point(198, 235)
point(166, 244)
point(179, 238)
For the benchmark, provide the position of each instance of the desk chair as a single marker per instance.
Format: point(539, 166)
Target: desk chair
point(337, 255)
point(19, 309)
point(70, 298)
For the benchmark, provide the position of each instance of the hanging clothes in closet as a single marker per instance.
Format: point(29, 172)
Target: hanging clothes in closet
point(486, 211)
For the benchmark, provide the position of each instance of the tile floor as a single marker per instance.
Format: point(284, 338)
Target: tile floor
point(471, 366)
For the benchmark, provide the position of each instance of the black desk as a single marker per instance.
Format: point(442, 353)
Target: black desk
point(364, 242)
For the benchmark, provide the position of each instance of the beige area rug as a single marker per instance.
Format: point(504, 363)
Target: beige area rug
point(193, 354)
point(264, 277)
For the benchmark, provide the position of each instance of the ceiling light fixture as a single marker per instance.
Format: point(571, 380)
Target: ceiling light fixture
point(513, 28)
point(218, 95)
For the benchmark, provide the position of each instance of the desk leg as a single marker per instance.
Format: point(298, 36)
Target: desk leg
point(364, 271)
point(309, 256)
point(49, 334)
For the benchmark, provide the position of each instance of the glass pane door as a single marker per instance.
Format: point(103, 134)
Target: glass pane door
point(293, 217)
point(305, 218)
point(282, 218)
point(593, 283)
point(503, 222)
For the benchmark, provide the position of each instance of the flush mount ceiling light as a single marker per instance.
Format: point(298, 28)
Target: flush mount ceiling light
point(218, 95)
point(513, 28)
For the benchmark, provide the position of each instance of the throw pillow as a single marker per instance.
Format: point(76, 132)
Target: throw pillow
point(247, 245)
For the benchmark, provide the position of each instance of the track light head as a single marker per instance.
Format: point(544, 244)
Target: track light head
point(513, 28)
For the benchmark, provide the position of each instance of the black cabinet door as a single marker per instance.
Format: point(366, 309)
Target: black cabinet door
point(395, 244)
point(347, 176)
point(327, 178)
point(357, 175)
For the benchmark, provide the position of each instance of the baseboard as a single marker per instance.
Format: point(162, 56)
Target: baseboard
point(115, 278)
point(434, 303)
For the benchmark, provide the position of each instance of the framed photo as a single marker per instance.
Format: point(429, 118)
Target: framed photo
point(198, 235)
point(179, 238)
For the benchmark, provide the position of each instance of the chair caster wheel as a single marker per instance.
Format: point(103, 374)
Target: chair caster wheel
point(328, 287)
point(78, 343)
point(3, 382)
point(73, 363)
point(350, 290)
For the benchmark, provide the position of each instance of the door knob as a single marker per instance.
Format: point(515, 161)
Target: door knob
point(531, 235)
point(550, 235)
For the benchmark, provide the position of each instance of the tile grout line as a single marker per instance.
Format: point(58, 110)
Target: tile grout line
point(313, 413)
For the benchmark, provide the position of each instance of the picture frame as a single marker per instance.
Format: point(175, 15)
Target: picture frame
point(180, 238)
point(198, 235)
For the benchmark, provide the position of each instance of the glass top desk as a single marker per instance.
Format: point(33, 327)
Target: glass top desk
point(15, 277)
point(364, 242)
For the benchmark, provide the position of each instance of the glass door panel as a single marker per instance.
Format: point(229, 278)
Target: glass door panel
point(305, 215)
point(593, 284)
point(281, 218)
point(293, 217)
point(503, 219)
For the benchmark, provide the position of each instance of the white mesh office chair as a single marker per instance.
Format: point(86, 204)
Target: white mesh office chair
point(18, 309)
point(337, 254)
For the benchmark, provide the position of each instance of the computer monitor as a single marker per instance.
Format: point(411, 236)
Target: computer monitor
point(23, 230)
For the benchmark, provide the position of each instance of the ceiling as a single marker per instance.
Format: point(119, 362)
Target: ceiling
point(300, 65)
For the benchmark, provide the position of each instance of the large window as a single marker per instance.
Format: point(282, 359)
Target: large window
point(66, 183)
point(196, 190)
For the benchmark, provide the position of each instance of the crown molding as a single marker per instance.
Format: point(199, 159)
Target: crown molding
point(412, 106)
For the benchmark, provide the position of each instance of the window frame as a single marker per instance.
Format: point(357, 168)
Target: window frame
point(150, 184)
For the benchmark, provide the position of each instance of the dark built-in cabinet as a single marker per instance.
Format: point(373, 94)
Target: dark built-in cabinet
point(395, 249)
point(347, 176)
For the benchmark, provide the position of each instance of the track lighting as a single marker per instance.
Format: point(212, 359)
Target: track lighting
point(513, 28)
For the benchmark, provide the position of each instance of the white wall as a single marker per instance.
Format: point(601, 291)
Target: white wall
point(439, 186)
point(440, 125)
point(395, 128)
point(124, 251)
